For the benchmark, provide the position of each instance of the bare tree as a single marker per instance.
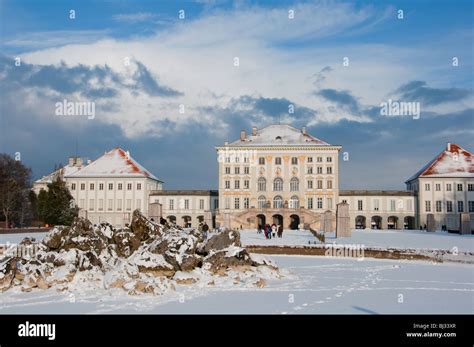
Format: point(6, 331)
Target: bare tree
point(14, 181)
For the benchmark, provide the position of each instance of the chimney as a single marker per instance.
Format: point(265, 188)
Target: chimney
point(226, 143)
point(128, 154)
point(75, 161)
point(303, 130)
point(448, 147)
point(242, 135)
point(254, 131)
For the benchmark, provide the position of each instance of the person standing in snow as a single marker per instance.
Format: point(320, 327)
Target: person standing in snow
point(274, 229)
point(205, 229)
point(280, 231)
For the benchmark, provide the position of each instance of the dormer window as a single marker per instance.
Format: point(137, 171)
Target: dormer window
point(278, 138)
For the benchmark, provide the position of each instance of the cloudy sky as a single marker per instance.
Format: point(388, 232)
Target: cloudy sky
point(165, 84)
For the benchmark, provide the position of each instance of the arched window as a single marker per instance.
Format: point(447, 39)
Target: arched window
point(294, 202)
point(262, 184)
point(262, 201)
point(294, 184)
point(278, 184)
point(277, 202)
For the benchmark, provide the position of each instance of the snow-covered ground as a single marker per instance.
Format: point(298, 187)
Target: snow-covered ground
point(312, 285)
point(413, 239)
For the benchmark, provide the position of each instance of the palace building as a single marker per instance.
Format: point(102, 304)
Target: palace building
point(278, 174)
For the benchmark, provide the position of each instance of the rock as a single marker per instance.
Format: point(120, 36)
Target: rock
point(7, 273)
point(260, 283)
point(142, 227)
point(220, 261)
point(55, 237)
point(223, 240)
point(126, 242)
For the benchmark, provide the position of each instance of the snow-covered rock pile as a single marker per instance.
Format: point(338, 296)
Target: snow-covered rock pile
point(145, 258)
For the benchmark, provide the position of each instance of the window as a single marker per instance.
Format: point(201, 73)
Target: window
point(246, 170)
point(392, 205)
point(427, 187)
point(329, 159)
point(329, 170)
point(111, 186)
point(139, 204)
point(110, 205)
point(309, 170)
point(216, 204)
point(262, 202)
point(129, 204)
point(278, 184)
point(294, 161)
point(227, 159)
point(237, 159)
point(91, 186)
point(83, 186)
point(119, 186)
point(227, 184)
point(237, 170)
point(359, 205)
point(246, 159)
point(409, 205)
point(294, 184)
point(277, 161)
point(438, 187)
point(171, 204)
point(438, 206)
point(91, 204)
point(201, 204)
point(319, 203)
point(186, 204)
point(227, 203)
point(329, 200)
point(310, 184)
point(261, 161)
point(449, 206)
point(427, 206)
point(227, 170)
point(119, 205)
point(262, 184)
point(129, 186)
point(246, 184)
point(449, 187)
point(277, 202)
point(319, 159)
point(320, 184)
point(460, 206)
point(236, 203)
point(319, 169)
point(329, 184)
point(471, 206)
point(73, 186)
point(101, 204)
point(82, 203)
point(294, 202)
point(470, 187)
point(246, 202)
point(101, 186)
point(139, 186)
point(310, 203)
point(310, 159)
point(459, 186)
point(236, 184)
point(376, 204)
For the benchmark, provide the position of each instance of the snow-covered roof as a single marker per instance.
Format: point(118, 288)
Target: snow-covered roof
point(115, 163)
point(65, 171)
point(453, 161)
point(278, 135)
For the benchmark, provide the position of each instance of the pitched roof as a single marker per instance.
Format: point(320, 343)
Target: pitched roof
point(278, 135)
point(65, 171)
point(453, 161)
point(115, 163)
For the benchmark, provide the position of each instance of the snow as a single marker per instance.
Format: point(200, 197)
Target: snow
point(403, 239)
point(311, 285)
point(115, 163)
point(287, 136)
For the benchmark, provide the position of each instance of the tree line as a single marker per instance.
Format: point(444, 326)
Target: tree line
point(19, 204)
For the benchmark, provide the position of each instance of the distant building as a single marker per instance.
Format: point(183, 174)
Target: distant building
point(109, 188)
point(187, 207)
point(445, 188)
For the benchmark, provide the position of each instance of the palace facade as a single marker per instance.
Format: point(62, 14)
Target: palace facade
point(278, 174)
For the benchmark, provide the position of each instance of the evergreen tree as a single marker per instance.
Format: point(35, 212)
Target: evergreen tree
point(56, 206)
